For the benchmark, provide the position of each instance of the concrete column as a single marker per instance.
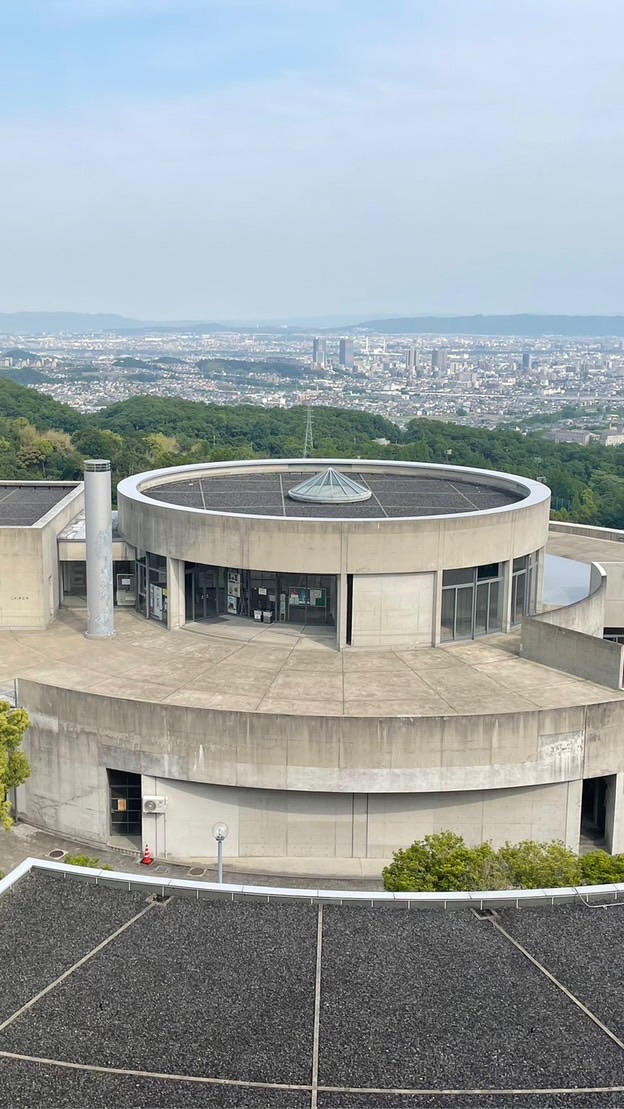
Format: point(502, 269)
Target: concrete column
point(341, 630)
point(507, 590)
point(436, 631)
point(99, 544)
point(539, 571)
point(176, 601)
point(572, 835)
point(614, 824)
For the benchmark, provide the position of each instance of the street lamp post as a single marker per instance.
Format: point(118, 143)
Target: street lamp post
point(220, 831)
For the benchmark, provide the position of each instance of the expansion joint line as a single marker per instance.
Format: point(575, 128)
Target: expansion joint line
point(76, 966)
point(560, 986)
point(317, 1009)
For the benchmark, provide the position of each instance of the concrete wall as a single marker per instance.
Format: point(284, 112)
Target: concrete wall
point(276, 824)
point(393, 610)
point(585, 656)
point(29, 571)
point(51, 527)
point(587, 614)
point(614, 604)
point(21, 579)
point(319, 786)
point(329, 546)
point(570, 637)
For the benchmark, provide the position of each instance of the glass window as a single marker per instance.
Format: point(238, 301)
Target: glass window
point(486, 572)
point(458, 577)
point(481, 608)
point(471, 601)
point(494, 607)
point(518, 598)
point(448, 613)
point(519, 564)
point(463, 612)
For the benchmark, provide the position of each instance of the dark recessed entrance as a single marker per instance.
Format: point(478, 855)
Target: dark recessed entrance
point(597, 797)
point(125, 806)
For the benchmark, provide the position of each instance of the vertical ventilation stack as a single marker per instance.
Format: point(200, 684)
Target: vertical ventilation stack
point(99, 537)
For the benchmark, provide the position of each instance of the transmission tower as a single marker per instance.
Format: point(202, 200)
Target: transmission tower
point(308, 445)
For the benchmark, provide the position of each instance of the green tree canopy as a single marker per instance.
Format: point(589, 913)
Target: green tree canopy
point(14, 766)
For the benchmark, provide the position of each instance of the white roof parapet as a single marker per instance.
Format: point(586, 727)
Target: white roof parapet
point(182, 887)
point(330, 487)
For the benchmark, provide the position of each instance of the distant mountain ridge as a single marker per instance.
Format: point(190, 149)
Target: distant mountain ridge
point(522, 324)
point(82, 323)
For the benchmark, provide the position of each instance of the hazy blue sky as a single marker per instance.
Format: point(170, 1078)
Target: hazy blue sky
point(253, 158)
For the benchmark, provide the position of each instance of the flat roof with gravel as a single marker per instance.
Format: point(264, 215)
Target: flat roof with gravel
point(24, 505)
point(114, 998)
point(392, 495)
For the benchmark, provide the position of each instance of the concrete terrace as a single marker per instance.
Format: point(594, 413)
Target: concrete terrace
point(240, 666)
point(584, 548)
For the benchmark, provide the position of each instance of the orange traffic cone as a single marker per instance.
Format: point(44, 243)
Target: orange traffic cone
point(147, 859)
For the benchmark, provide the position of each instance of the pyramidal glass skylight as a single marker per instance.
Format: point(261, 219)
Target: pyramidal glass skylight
point(329, 487)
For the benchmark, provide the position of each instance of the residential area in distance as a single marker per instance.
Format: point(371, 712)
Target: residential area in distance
point(572, 387)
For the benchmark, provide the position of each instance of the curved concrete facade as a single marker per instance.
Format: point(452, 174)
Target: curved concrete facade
point(324, 753)
point(328, 545)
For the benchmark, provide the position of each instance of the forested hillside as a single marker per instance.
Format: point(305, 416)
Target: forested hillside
point(40, 438)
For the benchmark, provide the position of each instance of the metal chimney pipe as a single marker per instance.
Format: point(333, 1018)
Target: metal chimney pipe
point(99, 542)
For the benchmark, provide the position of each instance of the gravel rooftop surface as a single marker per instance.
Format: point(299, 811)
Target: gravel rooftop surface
point(420, 1001)
point(23, 505)
point(393, 495)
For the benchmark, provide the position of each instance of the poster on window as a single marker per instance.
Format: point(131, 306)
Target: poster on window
point(234, 588)
point(233, 577)
point(298, 597)
point(318, 598)
point(232, 604)
point(156, 602)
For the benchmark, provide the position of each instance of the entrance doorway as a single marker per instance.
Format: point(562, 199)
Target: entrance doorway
point(125, 805)
point(215, 592)
point(597, 797)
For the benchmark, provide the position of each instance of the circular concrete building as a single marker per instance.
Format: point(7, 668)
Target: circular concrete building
point(332, 657)
point(385, 554)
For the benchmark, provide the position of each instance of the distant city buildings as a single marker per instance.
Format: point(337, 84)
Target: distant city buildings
point(412, 361)
point(479, 380)
point(614, 436)
point(345, 353)
point(319, 352)
point(439, 359)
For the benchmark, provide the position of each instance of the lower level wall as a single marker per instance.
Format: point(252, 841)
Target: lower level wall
point(289, 824)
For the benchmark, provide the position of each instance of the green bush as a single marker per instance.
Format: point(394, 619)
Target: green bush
point(445, 863)
point(532, 865)
point(599, 869)
point(86, 860)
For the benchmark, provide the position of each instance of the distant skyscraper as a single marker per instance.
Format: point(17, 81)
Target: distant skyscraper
point(526, 359)
point(412, 361)
point(345, 353)
point(439, 360)
point(319, 352)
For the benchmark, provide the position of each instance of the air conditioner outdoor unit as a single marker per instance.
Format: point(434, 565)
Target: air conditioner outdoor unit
point(154, 804)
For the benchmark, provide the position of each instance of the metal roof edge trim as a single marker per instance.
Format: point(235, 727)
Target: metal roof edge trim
point(474, 899)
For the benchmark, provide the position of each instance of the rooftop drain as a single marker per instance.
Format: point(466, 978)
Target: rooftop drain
point(329, 487)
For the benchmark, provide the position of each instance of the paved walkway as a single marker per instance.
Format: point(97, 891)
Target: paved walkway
point(24, 841)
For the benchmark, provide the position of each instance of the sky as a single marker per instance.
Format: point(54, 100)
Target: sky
point(252, 159)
